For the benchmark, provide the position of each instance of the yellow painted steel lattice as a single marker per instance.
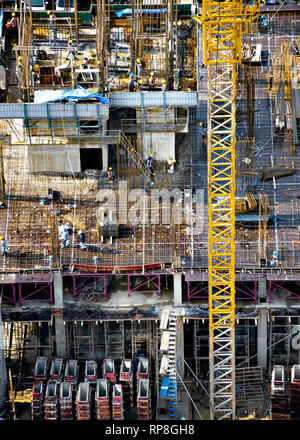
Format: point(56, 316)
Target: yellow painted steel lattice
point(223, 24)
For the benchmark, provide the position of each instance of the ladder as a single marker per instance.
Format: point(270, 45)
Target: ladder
point(138, 159)
point(172, 389)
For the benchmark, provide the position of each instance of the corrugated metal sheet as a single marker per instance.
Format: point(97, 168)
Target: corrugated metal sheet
point(55, 111)
point(153, 99)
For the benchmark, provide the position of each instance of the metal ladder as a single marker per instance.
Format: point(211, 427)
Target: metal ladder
point(172, 389)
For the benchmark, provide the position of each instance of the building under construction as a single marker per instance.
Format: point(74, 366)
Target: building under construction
point(150, 209)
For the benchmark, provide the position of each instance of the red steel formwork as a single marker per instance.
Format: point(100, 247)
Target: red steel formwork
point(56, 369)
point(37, 401)
point(90, 371)
point(117, 402)
point(40, 369)
point(51, 401)
point(108, 366)
point(144, 400)
point(66, 401)
point(279, 401)
point(83, 401)
point(126, 379)
point(102, 400)
point(295, 391)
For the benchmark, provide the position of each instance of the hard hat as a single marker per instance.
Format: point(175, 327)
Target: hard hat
point(140, 81)
point(19, 63)
point(164, 81)
point(152, 73)
point(36, 67)
point(132, 75)
point(19, 58)
point(132, 149)
point(1, 238)
point(151, 155)
point(200, 123)
point(48, 12)
point(138, 60)
point(110, 168)
point(13, 14)
point(70, 41)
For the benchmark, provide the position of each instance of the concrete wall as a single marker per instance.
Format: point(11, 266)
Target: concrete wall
point(56, 158)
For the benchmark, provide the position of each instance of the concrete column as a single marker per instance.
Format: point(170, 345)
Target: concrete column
point(180, 346)
point(104, 157)
point(262, 290)
point(57, 313)
point(262, 338)
point(177, 289)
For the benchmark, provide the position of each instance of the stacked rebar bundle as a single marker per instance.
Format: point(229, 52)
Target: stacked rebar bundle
point(126, 379)
point(66, 401)
point(279, 400)
point(117, 402)
point(37, 401)
point(50, 402)
point(144, 400)
point(295, 391)
point(83, 401)
point(102, 400)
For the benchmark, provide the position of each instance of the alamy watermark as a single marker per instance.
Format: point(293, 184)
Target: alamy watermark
point(153, 207)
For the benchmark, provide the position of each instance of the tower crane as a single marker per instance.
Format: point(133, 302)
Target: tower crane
point(223, 23)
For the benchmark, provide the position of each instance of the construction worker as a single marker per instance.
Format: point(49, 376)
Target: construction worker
point(71, 50)
point(52, 19)
point(36, 76)
point(139, 85)
point(139, 67)
point(19, 68)
point(65, 236)
point(150, 163)
point(110, 174)
point(3, 245)
point(13, 21)
point(152, 81)
point(132, 158)
point(131, 83)
point(164, 85)
point(81, 239)
point(143, 62)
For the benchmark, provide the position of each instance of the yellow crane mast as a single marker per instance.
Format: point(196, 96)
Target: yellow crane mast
point(223, 23)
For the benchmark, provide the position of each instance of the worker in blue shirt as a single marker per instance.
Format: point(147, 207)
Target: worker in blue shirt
point(3, 245)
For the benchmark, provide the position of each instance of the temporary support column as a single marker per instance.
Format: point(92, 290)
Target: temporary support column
point(57, 313)
point(262, 290)
point(3, 373)
point(177, 289)
point(180, 346)
point(262, 338)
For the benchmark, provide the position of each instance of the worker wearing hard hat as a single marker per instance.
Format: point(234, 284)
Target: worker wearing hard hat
point(36, 71)
point(139, 85)
point(71, 50)
point(13, 21)
point(139, 67)
point(152, 80)
point(3, 245)
point(164, 85)
point(150, 163)
point(52, 18)
point(110, 174)
point(131, 83)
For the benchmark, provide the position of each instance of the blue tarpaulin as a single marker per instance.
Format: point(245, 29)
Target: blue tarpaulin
point(1, 23)
point(144, 11)
point(41, 96)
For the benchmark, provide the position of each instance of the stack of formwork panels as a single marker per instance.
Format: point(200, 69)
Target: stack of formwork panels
point(72, 372)
point(40, 369)
point(90, 371)
point(66, 401)
point(56, 370)
point(279, 400)
point(126, 380)
point(117, 402)
point(50, 402)
point(295, 391)
point(109, 370)
point(83, 401)
point(37, 401)
point(144, 400)
point(102, 400)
